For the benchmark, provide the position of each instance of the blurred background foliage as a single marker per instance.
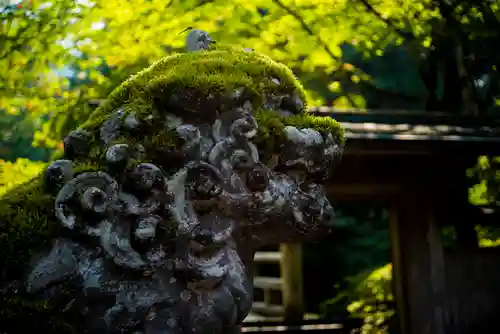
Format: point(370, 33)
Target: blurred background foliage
point(58, 57)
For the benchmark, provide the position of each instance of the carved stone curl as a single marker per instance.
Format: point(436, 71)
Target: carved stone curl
point(162, 250)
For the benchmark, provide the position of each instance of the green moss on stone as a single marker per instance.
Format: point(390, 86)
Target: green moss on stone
point(24, 313)
point(195, 79)
point(197, 86)
point(27, 224)
point(193, 86)
point(271, 137)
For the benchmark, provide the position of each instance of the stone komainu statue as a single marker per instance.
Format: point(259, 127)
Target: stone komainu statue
point(149, 221)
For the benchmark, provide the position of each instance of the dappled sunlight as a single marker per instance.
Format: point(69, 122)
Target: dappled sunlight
point(15, 173)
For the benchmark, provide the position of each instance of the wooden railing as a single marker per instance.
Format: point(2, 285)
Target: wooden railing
point(289, 285)
point(287, 317)
point(268, 285)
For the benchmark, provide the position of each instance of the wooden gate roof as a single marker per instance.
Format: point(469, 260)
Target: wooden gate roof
point(479, 135)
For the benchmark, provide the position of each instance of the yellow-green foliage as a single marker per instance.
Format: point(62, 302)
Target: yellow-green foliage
point(18, 172)
point(369, 296)
point(374, 301)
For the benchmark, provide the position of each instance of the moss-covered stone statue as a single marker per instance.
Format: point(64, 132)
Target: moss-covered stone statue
point(149, 221)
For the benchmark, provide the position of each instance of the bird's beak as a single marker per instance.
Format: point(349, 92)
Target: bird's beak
point(187, 29)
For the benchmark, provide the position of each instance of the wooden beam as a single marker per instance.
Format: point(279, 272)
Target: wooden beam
point(274, 283)
point(385, 177)
point(267, 257)
point(267, 309)
point(422, 148)
point(291, 274)
point(354, 191)
point(418, 264)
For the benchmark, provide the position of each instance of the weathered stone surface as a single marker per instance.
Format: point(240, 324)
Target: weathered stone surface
point(158, 213)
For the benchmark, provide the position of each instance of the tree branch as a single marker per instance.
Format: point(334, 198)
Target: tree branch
point(390, 23)
point(325, 47)
point(307, 28)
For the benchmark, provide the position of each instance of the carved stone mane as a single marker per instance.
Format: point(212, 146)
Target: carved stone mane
point(161, 199)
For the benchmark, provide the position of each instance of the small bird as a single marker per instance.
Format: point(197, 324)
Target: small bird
point(197, 39)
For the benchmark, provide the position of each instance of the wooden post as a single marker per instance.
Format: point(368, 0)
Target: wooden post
point(418, 266)
point(398, 274)
point(291, 274)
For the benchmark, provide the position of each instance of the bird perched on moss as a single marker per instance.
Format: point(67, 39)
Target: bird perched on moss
point(197, 40)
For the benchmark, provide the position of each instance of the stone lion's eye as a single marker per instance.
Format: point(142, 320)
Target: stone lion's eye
point(205, 187)
point(258, 179)
point(94, 199)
